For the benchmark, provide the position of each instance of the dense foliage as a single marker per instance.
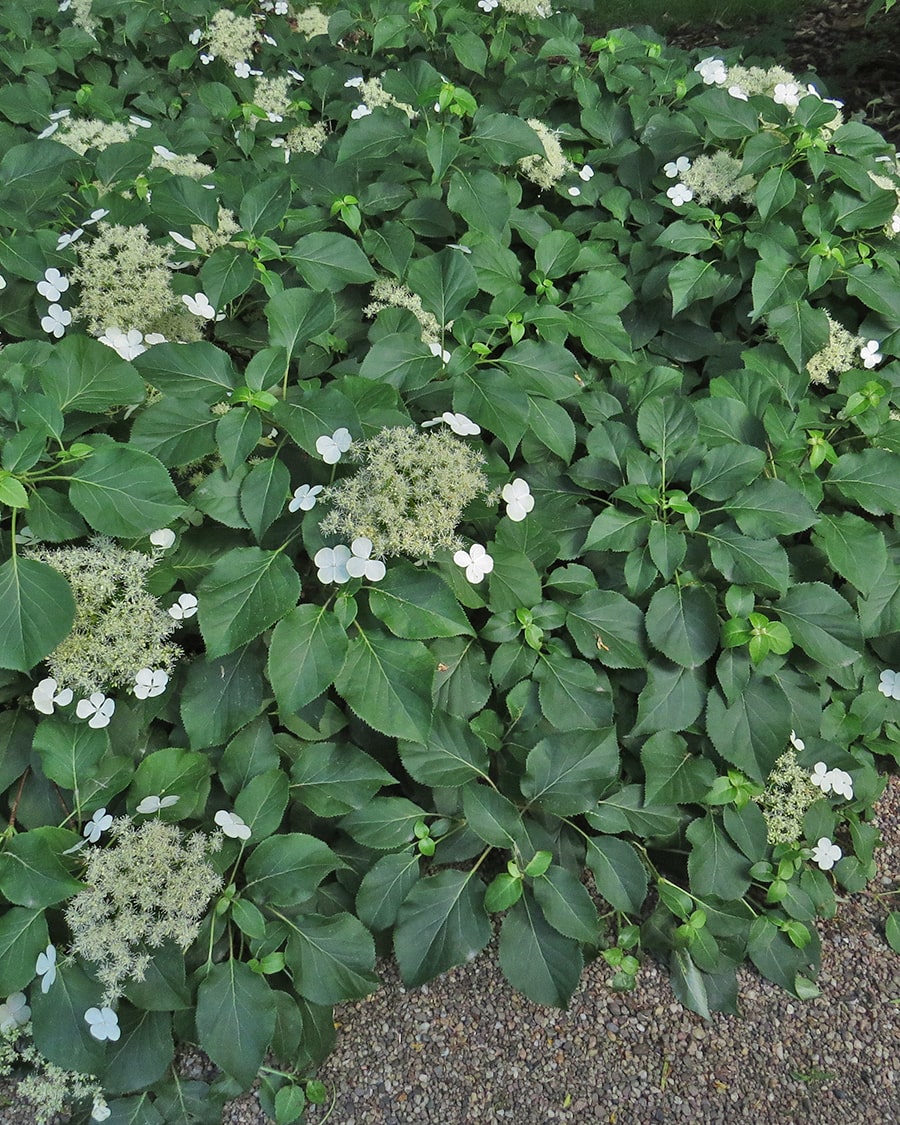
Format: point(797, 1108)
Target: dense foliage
point(448, 470)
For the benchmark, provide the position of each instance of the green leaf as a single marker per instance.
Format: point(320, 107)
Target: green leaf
point(385, 822)
point(608, 627)
point(387, 682)
point(673, 775)
point(36, 612)
point(295, 316)
point(221, 695)
point(451, 755)
point(573, 694)
point(32, 871)
point(777, 281)
point(892, 930)
point(876, 288)
point(373, 138)
point(69, 753)
point(771, 507)
point(752, 732)
point(536, 958)
point(494, 400)
point(693, 279)
point(801, 330)
point(773, 953)
point(331, 959)
point(235, 1019)
point(682, 623)
point(822, 623)
point(384, 887)
point(715, 866)
point(481, 200)
point(164, 988)
point(671, 699)
point(246, 592)
point(761, 564)
point(328, 261)
point(870, 479)
point(566, 774)
point(506, 139)
point(334, 780)
point(417, 604)
point(306, 652)
point(264, 205)
point(141, 1055)
point(197, 370)
point(285, 870)
point(441, 923)
point(176, 430)
point(667, 546)
point(491, 816)
point(83, 374)
point(181, 202)
point(61, 1033)
point(727, 468)
point(124, 492)
point(227, 273)
point(566, 905)
point(621, 877)
point(173, 771)
point(23, 935)
point(237, 435)
point(445, 281)
point(261, 803)
point(687, 983)
point(442, 145)
point(552, 426)
point(854, 547)
point(262, 494)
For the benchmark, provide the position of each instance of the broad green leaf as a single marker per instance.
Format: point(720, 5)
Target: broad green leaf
point(264, 205)
point(673, 775)
point(687, 983)
point(667, 546)
point(235, 1019)
point(541, 367)
point(295, 316)
point(176, 430)
point(262, 494)
point(445, 281)
point(682, 624)
point(261, 803)
point(83, 374)
point(461, 684)
point(624, 810)
point(822, 623)
point(180, 202)
point(777, 281)
point(384, 887)
point(892, 930)
point(61, 1033)
point(69, 753)
point(246, 592)
point(566, 904)
point(617, 529)
point(401, 360)
point(725, 469)
point(481, 200)
point(173, 771)
point(505, 139)
point(491, 816)
point(385, 822)
point(23, 935)
point(124, 492)
point(442, 145)
point(417, 604)
point(751, 733)
point(620, 876)
point(142, 1054)
point(328, 261)
point(441, 923)
point(671, 699)
point(854, 547)
point(164, 986)
point(715, 866)
point(870, 479)
point(775, 955)
point(221, 695)
point(771, 507)
point(36, 612)
point(573, 694)
point(306, 652)
point(196, 370)
point(761, 564)
point(333, 780)
point(451, 755)
point(32, 870)
point(608, 627)
point(876, 288)
point(537, 959)
point(285, 870)
point(514, 581)
point(693, 279)
point(237, 435)
point(331, 959)
point(373, 138)
point(800, 329)
point(566, 774)
point(227, 273)
point(552, 426)
point(387, 682)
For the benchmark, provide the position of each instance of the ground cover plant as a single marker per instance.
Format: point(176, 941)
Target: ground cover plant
point(449, 468)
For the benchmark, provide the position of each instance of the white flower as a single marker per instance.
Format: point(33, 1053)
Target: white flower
point(274, 117)
point(232, 825)
point(738, 92)
point(187, 243)
point(14, 1012)
point(100, 822)
point(150, 682)
point(797, 743)
point(154, 804)
point(841, 783)
point(519, 500)
point(97, 214)
point(354, 83)
point(788, 94)
point(330, 449)
point(436, 350)
point(59, 114)
point(127, 345)
point(459, 246)
point(2, 282)
point(332, 564)
point(242, 70)
point(304, 498)
point(49, 131)
point(298, 77)
point(65, 240)
point(680, 193)
point(586, 173)
point(154, 338)
point(361, 110)
point(890, 684)
point(194, 37)
point(488, 5)
point(206, 59)
point(895, 222)
point(199, 305)
point(185, 607)
point(45, 967)
point(53, 285)
point(45, 696)
point(141, 122)
point(56, 321)
point(98, 709)
point(675, 167)
point(826, 854)
point(103, 1023)
point(574, 191)
point(870, 354)
point(476, 560)
point(361, 565)
point(820, 778)
point(100, 1111)
point(711, 70)
point(458, 423)
point(163, 538)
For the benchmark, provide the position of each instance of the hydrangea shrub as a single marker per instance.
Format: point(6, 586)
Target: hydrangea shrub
point(448, 470)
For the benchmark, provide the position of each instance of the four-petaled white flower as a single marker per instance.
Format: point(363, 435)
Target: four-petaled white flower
point(332, 564)
point(45, 967)
point(574, 191)
point(841, 783)
point(150, 682)
point(304, 498)
point(154, 804)
point(895, 222)
point(354, 83)
point(99, 212)
point(185, 607)
point(56, 321)
point(586, 173)
point(675, 167)
point(362, 110)
point(439, 352)
point(49, 131)
point(787, 94)
point(819, 777)
point(100, 822)
point(242, 70)
point(141, 122)
point(53, 285)
point(331, 449)
point(45, 696)
point(232, 825)
point(361, 565)
point(870, 354)
point(127, 345)
point(200, 305)
point(69, 237)
point(100, 1111)
point(738, 92)
point(680, 193)
point(14, 1012)
point(195, 36)
point(711, 70)
point(458, 423)
point(488, 5)
point(163, 538)
point(187, 243)
point(476, 561)
point(797, 743)
point(519, 500)
point(103, 1024)
point(890, 684)
point(97, 709)
point(826, 854)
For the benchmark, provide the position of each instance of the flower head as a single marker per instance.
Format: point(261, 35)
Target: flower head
point(711, 70)
point(232, 825)
point(128, 344)
point(458, 423)
point(154, 804)
point(675, 167)
point(679, 193)
point(890, 684)
point(56, 321)
point(45, 696)
point(870, 354)
point(305, 498)
point(826, 854)
point(14, 1012)
point(332, 564)
point(200, 305)
point(97, 709)
point(361, 565)
point(150, 682)
point(519, 501)
point(488, 5)
point(45, 967)
point(185, 607)
point(476, 561)
point(103, 1024)
point(787, 94)
point(331, 449)
point(53, 285)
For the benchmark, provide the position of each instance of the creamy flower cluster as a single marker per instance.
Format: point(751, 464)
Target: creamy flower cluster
point(553, 166)
point(840, 354)
point(388, 293)
point(718, 177)
point(788, 794)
